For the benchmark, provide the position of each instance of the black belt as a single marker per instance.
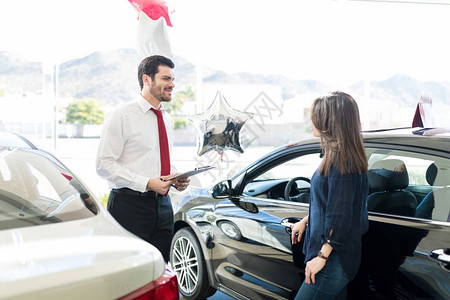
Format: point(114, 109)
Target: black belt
point(130, 192)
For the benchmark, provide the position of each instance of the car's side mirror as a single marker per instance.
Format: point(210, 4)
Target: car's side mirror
point(247, 206)
point(221, 190)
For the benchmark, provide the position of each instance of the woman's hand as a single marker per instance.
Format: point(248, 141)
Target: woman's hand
point(312, 268)
point(298, 228)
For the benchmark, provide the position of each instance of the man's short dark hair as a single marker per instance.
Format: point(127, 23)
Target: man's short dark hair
point(149, 66)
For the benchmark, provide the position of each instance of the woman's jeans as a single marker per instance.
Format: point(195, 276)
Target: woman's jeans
point(331, 282)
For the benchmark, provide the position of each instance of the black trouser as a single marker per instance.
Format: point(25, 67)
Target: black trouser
point(147, 215)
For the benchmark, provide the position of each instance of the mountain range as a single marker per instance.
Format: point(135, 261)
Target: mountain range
point(108, 77)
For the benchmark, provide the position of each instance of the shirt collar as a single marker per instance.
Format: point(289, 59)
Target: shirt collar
point(145, 105)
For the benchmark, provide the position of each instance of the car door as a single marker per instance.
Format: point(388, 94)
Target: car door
point(406, 252)
point(252, 251)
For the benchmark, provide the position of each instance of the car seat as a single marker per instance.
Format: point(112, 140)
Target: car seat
point(426, 206)
point(435, 205)
point(387, 180)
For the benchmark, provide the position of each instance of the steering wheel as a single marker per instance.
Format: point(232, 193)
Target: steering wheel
point(302, 197)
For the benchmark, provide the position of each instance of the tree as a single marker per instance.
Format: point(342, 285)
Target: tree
point(187, 95)
point(175, 108)
point(87, 111)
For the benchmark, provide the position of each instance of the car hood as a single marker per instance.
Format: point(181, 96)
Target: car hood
point(92, 258)
point(193, 198)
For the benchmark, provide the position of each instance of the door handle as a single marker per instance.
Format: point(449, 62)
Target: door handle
point(288, 222)
point(441, 255)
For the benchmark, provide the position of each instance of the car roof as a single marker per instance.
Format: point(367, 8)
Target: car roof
point(8, 139)
point(14, 140)
point(426, 131)
point(427, 138)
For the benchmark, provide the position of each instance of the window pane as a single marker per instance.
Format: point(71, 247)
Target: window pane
point(302, 166)
point(408, 184)
point(36, 190)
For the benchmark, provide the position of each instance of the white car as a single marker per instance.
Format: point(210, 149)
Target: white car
point(58, 242)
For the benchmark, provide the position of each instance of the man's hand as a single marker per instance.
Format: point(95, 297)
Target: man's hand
point(158, 185)
point(181, 183)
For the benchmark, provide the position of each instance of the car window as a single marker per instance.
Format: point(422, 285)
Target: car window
point(401, 183)
point(409, 184)
point(35, 190)
point(275, 183)
point(43, 185)
point(304, 165)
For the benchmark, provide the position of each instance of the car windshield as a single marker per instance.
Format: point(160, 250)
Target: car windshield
point(36, 189)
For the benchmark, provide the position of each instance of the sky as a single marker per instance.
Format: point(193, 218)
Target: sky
point(338, 41)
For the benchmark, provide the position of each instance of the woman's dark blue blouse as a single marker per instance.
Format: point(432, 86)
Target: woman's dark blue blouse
point(338, 215)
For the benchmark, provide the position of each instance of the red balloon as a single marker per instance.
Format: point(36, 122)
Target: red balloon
point(154, 9)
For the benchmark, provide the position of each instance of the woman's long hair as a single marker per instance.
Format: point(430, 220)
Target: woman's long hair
point(337, 118)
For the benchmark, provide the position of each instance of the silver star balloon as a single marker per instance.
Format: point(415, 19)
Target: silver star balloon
point(218, 127)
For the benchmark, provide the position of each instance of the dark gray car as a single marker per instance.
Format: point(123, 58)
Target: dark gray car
point(235, 237)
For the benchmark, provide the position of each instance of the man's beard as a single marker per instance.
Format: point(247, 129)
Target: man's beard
point(155, 91)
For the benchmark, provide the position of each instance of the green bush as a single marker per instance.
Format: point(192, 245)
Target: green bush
point(104, 199)
point(86, 111)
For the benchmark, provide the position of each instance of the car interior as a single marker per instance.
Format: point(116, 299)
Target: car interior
point(400, 183)
point(409, 184)
point(438, 177)
point(388, 179)
point(288, 181)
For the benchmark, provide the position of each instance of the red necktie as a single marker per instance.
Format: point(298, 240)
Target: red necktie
point(163, 144)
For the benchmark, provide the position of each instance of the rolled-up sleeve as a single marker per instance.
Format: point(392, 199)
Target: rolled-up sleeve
point(339, 212)
point(338, 216)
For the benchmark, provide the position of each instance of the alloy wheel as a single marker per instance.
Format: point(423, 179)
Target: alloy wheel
point(185, 264)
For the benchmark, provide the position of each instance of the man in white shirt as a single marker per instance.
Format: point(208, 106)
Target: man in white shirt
point(134, 157)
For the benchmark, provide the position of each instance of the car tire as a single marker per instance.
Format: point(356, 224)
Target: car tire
point(186, 258)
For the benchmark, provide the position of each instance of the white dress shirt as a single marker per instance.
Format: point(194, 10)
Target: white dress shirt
point(128, 153)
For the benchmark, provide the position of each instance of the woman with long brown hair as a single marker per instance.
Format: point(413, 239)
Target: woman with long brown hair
point(337, 213)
